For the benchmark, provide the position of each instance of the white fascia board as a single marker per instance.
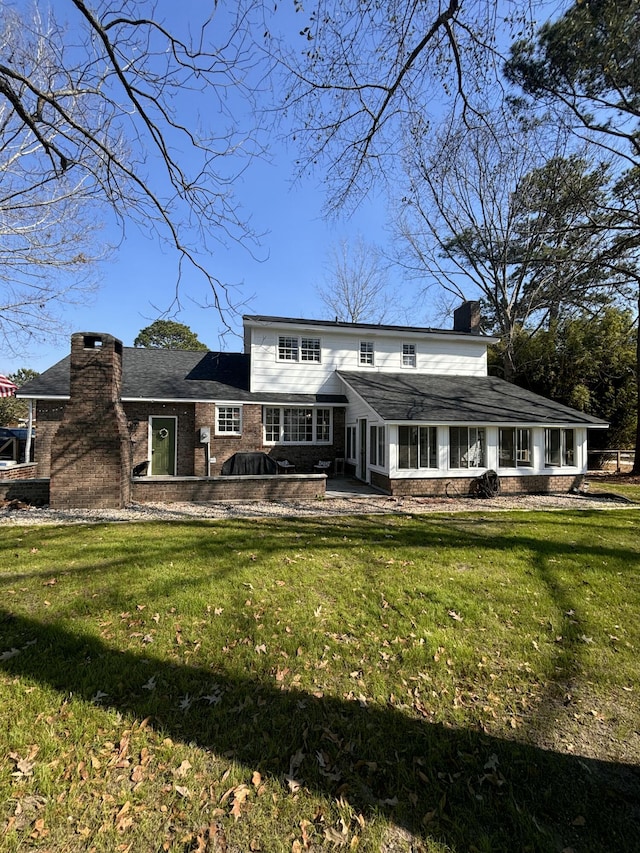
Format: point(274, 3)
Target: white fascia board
point(42, 396)
point(368, 330)
point(502, 424)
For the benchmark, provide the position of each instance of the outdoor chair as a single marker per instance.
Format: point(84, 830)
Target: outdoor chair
point(285, 466)
point(322, 467)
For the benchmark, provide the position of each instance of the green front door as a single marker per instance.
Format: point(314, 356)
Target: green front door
point(163, 446)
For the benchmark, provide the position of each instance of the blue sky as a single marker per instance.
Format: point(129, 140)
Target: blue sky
point(138, 282)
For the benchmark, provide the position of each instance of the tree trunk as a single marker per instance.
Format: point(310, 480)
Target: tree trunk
point(636, 461)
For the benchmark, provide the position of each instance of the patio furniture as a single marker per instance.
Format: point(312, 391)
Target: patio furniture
point(285, 467)
point(243, 464)
point(322, 467)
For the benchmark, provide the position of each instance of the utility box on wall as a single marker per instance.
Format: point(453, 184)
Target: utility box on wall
point(205, 435)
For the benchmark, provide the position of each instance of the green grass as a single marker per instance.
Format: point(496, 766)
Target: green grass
point(618, 485)
point(321, 684)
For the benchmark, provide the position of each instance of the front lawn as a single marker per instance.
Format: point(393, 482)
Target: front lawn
point(438, 683)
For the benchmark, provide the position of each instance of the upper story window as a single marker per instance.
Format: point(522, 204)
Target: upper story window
point(228, 420)
point(366, 353)
point(298, 348)
point(559, 448)
point(310, 349)
point(408, 355)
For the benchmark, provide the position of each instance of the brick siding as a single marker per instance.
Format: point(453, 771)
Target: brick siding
point(249, 488)
point(90, 452)
point(32, 491)
point(453, 487)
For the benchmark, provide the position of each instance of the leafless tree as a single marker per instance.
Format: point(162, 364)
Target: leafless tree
point(508, 214)
point(356, 286)
point(110, 107)
point(370, 72)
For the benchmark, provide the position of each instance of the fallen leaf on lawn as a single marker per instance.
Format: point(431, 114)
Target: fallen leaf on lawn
point(455, 615)
point(24, 765)
point(261, 649)
point(137, 774)
point(240, 794)
point(123, 819)
point(579, 821)
point(184, 768)
point(50, 582)
point(335, 837)
point(184, 792)
point(256, 779)
point(151, 684)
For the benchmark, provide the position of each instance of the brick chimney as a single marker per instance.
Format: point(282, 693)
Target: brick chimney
point(466, 318)
point(91, 451)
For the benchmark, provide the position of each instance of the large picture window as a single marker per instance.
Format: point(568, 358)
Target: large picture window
point(466, 447)
point(559, 448)
point(515, 447)
point(417, 447)
point(297, 425)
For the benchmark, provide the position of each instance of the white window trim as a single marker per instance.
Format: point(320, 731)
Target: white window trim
point(374, 446)
point(550, 466)
point(484, 449)
point(281, 441)
point(225, 432)
point(415, 356)
point(354, 436)
point(371, 344)
point(525, 466)
point(299, 359)
point(420, 470)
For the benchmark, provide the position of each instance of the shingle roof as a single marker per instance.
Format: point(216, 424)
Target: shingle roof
point(161, 374)
point(401, 397)
point(261, 319)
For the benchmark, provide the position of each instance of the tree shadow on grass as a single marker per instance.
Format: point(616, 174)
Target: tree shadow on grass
point(462, 787)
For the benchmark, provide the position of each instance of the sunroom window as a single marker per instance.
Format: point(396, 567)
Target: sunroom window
point(377, 446)
point(515, 447)
point(559, 448)
point(417, 447)
point(466, 447)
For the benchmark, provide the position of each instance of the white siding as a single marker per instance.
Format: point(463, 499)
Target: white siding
point(340, 349)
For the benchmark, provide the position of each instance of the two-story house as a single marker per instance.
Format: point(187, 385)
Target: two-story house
point(410, 410)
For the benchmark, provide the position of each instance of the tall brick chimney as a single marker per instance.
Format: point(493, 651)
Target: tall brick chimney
point(466, 318)
point(91, 451)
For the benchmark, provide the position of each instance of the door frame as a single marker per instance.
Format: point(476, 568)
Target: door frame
point(173, 418)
